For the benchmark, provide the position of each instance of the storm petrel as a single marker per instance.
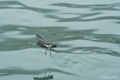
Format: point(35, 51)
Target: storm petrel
point(43, 44)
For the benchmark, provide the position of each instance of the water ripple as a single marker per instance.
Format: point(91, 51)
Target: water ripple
point(15, 70)
point(87, 35)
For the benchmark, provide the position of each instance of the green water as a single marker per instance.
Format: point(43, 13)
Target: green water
point(87, 35)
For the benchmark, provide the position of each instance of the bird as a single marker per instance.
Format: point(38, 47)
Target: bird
point(46, 45)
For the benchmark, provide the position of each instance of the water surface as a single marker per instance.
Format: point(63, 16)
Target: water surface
point(87, 34)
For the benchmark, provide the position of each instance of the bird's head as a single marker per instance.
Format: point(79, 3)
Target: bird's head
point(54, 46)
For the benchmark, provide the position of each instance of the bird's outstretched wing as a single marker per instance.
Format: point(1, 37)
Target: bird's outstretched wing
point(40, 39)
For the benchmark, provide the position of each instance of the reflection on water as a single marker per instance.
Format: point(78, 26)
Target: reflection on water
point(86, 34)
point(49, 77)
point(88, 16)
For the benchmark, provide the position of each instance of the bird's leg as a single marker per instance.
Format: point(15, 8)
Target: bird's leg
point(46, 51)
point(37, 44)
point(49, 73)
point(50, 52)
point(45, 74)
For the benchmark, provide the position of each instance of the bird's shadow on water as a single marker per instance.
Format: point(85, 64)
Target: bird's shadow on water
point(46, 77)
